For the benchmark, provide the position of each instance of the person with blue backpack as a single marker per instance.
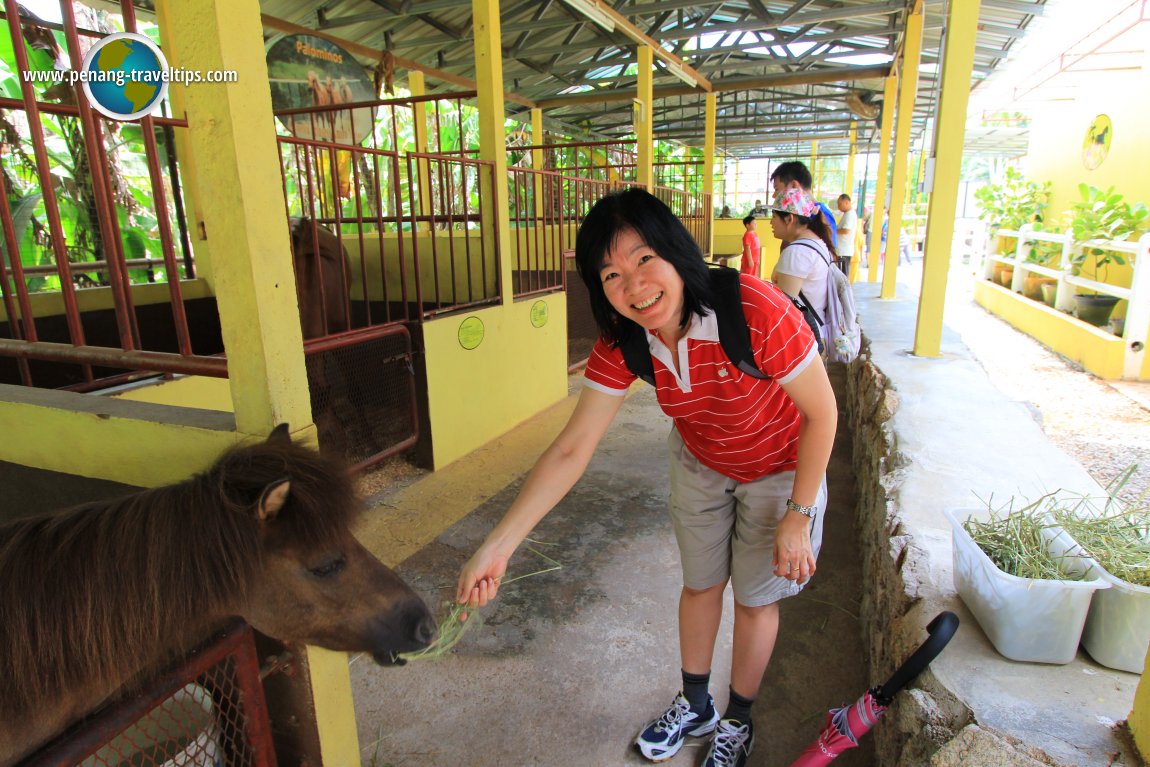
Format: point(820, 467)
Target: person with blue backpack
point(748, 451)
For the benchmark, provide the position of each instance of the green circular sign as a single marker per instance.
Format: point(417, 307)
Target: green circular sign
point(470, 333)
point(539, 313)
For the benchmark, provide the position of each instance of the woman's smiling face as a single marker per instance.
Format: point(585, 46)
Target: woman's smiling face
point(640, 285)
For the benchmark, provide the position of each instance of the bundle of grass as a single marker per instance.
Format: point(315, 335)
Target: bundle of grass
point(1014, 539)
point(458, 618)
point(1112, 531)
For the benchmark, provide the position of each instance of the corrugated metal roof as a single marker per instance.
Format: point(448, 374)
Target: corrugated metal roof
point(782, 69)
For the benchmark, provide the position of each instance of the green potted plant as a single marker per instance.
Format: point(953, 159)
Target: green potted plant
point(1010, 205)
point(1101, 215)
point(1042, 253)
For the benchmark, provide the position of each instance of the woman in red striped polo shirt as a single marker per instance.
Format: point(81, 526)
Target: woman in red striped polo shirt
point(748, 456)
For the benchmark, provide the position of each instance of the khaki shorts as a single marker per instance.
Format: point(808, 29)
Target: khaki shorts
point(726, 528)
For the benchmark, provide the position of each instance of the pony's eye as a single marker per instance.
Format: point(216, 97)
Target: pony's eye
point(329, 568)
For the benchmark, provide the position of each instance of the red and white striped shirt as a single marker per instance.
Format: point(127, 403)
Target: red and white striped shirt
point(741, 426)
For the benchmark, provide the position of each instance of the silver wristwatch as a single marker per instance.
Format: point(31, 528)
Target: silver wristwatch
point(806, 511)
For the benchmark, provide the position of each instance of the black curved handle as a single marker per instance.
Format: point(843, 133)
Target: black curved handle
point(941, 629)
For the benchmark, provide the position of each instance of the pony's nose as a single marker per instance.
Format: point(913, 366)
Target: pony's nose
point(425, 629)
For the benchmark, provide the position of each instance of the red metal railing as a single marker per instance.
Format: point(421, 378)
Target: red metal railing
point(46, 254)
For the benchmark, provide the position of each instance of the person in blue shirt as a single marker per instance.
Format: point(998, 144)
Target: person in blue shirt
point(795, 174)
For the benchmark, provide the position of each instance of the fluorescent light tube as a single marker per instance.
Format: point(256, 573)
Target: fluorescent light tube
point(592, 12)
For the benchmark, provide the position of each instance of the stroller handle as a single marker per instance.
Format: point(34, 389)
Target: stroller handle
point(941, 629)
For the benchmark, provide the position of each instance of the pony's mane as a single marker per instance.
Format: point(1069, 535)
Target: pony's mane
point(91, 594)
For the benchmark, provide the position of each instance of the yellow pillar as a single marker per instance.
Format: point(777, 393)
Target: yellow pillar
point(537, 138)
point(187, 162)
point(492, 147)
point(1139, 719)
point(230, 131)
point(889, 91)
point(418, 87)
point(644, 118)
point(816, 170)
point(950, 130)
point(712, 108)
point(850, 179)
point(908, 91)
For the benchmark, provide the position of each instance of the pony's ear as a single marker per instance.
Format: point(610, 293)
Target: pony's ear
point(280, 435)
point(273, 498)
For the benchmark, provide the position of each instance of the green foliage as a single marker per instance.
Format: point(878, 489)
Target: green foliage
point(1103, 215)
point(1013, 203)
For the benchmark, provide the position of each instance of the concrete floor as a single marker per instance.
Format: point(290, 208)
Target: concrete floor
point(569, 665)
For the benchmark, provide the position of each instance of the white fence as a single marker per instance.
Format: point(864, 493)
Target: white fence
point(1068, 284)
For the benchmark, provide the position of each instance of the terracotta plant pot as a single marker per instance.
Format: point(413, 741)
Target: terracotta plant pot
point(1049, 293)
point(1006, 276)
point(1095, 309)
point(1032, 288)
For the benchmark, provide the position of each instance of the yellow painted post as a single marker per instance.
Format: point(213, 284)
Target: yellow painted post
point(889, 91)
point(816, 168)
point(850, 179)
point(492, 147)
point(712, 106)
point(950, 130)
point(644, 118)
point(1139, 719)
point(417, 85)
point(537, 138)
point(908, 91)
point(230, 132)
point(187, 160)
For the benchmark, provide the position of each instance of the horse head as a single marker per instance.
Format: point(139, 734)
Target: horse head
point(319, 585)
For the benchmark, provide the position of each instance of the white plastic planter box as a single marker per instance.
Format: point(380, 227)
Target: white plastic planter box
point(1026, 619)
point(1117, 629)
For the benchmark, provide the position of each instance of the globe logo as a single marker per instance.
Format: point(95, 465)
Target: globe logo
point(124, 76)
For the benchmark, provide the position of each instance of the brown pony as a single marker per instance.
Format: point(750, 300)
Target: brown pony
point(322, 279)
point(95, 597)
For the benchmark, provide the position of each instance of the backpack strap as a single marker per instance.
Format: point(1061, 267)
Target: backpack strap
point(637, 355)
point(805, 244)
point(734, 335)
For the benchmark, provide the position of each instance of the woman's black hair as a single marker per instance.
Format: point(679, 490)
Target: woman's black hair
point(662, 231)
point(818, 225)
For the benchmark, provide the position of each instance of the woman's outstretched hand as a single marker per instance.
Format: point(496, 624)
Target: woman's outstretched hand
point(480, 578)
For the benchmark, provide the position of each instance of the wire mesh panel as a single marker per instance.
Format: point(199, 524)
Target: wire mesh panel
point(209, 711)
point(363, 394)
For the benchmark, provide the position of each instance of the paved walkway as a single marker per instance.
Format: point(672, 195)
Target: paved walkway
point(569, 665)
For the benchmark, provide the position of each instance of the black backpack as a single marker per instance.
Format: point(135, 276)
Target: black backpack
point(734, 336)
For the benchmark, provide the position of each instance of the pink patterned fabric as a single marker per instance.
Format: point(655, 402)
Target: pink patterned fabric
point(797, 201)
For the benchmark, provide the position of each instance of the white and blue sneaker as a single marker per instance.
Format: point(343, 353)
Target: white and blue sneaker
point(662, 738)
point(731, 745)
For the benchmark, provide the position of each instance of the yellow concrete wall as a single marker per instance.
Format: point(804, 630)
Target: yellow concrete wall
point(440, 267)
point(517, 370)
point(107, 438)
point(95, 299)
point(1096, 350)
point(197, 392)
point(1139, 718)
point(729, 241)
point(1058, 128)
